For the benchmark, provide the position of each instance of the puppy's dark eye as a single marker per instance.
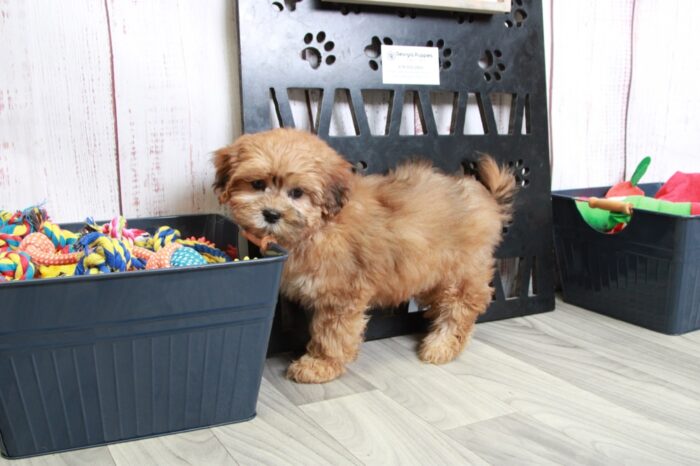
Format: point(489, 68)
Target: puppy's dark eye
point(296, 193)
point(258, 185)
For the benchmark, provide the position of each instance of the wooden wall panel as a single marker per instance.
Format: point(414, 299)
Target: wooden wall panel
point(176, 82)
point(57, 139)
point(176, 92)
point(664, 110)
point(591, 72)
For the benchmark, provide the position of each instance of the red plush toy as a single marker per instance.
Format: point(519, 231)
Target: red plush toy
point(629, 188)
point(682, 187)
point(680, 195)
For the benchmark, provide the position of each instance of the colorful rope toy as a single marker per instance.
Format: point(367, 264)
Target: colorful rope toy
point(31, 246)
point(16, 266)
point(175, 255)
point(59, 237)
point(104, 254)
point(206, 248)
point(43, 251)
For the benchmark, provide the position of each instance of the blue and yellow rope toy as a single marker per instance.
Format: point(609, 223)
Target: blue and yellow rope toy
point(104, 255)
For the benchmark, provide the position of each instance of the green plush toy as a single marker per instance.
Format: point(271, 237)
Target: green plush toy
point(595, 211)
point(612, 213)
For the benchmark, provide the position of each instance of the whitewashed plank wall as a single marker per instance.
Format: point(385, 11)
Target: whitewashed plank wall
point(115, 106)
point(175, 75)
point(664, 110)
point(589, 86)
point(57, 134)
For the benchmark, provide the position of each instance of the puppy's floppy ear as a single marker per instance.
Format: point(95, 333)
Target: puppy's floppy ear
point(337, 188)
point(226, 161)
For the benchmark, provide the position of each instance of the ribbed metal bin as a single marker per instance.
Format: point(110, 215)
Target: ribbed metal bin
point(97, 359)
point(648, 274)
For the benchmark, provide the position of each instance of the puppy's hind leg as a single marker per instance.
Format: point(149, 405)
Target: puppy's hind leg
point(454, 310)
point(336, 334)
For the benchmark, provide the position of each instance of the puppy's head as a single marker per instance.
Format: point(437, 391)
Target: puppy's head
point(282, 182)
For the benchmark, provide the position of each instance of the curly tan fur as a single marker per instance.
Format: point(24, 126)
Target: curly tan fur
point(357, 242)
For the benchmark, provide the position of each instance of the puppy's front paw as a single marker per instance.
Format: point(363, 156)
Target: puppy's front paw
point(440, 349)
point(309, 369)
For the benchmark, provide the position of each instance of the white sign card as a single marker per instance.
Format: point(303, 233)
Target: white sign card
point(402, 64)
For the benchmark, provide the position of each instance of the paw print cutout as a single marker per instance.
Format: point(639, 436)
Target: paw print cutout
point(290, 5)
point(445, 53)
point(313, 52)
point(411, 13)
point(490, 62)
point(463, 18)
point(347, 9)
point(521, 172)
point(517, 17)
point(374, 50)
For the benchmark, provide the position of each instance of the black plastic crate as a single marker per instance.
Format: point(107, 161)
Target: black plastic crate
point(648, 274)
point(104, 358)
point(277, 40)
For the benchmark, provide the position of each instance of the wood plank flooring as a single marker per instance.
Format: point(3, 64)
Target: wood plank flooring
point(566, 387)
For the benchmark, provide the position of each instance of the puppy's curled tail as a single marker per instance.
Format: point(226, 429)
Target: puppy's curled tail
point(500, 181)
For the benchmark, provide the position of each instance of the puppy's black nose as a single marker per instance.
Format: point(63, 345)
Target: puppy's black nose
point(271, 216)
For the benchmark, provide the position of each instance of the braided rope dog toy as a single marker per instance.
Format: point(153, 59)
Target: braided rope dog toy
point(5, 216)
point(172, 251)
point(161, 238)
point(175, 255)
point(104, 255)
point(61, 239)
point(165, 235)
point(31, 246)
point(157, 251)
point(11, 235)
point(16, 265)
point(116, 229)
point(43, 254)
point(207, 249)
point(15, 226)
point(43, 251)
point(23, 256)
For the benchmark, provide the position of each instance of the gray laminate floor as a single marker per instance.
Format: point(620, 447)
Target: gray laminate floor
point(565, 387)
